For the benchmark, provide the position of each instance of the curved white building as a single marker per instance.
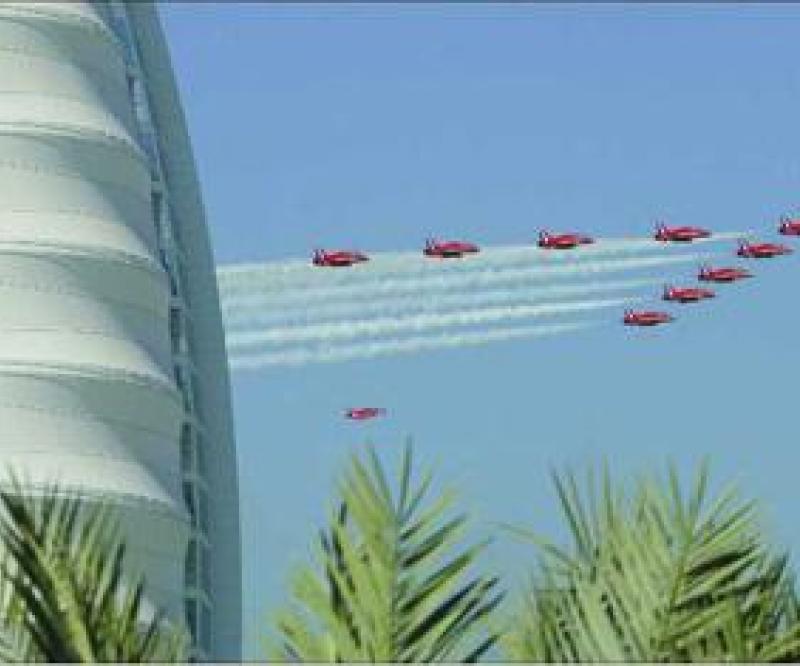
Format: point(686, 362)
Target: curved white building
point(113, 376)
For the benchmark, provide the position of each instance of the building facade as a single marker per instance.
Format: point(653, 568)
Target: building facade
point(113, 375)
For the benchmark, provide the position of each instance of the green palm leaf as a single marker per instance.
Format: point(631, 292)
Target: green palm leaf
point(66, 597)
point(389, 586)
point(657, 577)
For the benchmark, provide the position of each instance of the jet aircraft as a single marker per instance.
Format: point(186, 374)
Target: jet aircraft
point(789, 227)
point(679, 234)
point(337, 258)
point(562, 241)
point(761, 250)
point(686, 294)
point(364, 413)
point(448, 249)
point(726, 274)
point(646, 318)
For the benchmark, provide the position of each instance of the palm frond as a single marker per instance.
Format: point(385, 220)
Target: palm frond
point(65, 593)
point(658, 576)
point(391, 584)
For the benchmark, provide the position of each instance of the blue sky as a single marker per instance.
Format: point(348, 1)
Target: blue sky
point(372, 126)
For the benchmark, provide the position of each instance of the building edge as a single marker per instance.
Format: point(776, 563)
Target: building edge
point(209, 357)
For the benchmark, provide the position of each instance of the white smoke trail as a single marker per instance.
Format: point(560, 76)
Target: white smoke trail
point(339, 353)
point(355, 329)
point(296, 272)
point(385, 264)
point(250, 296)
point(249, 316)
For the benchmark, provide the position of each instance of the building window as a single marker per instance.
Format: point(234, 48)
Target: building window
point(157, 202)
point(189, 335)
point(173, 285)
point(205, 619)
point(196, 402)
point(168, 267)
point(203, 510)
point(175, 329)
point(187, 457)
point(188, 497)
point(180, 381)
point(131, 79)
point(205, 572)
point(191, 617)
point(201, 455)
point(182, 280)
point(174, 227)
point(191, 564)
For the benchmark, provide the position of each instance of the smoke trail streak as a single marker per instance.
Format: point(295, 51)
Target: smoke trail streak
point(334, 354)
point(388, 264)
point(355, 329)
point(476, 279)
point(249, 316)
point(279, 275)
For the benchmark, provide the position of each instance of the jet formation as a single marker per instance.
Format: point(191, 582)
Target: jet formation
point(717, 274)
point(459, 249)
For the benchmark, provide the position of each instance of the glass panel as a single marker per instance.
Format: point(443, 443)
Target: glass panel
point(196, 402)
point(183, 282)
point(169, 267)
point(191, 617)
point(188, 497)
point(175, 331)
point(201, 455)
point(205, 618)
point(174, 225)
point(189, 335)
point(205, 573)
point(187, 462)
point(191, 564)
point(180, 380)
point(203, 510)
point(156, 202)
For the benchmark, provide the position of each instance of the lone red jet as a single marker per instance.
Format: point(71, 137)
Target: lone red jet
point(337, 258)
point(789, 227)
point(761, 250)
point(448, 249)
point(679, 234)
point(646, 318)
point(686, 294)
point(562, 241)
point(364, 413)
point(709, 274)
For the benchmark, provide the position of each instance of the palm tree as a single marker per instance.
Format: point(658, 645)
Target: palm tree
point(387, 586)
point(62, 587)
point(657, 577)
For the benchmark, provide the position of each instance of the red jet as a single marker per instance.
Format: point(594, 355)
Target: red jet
point(686, 294)
point(789, 227)
point(679, 234)
point(562, 241)
point(646, 318)
point(761, 250)
point(364, 413)
point(448, 249)
point(709, 274)
point(337, 258)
